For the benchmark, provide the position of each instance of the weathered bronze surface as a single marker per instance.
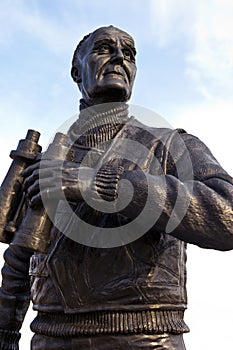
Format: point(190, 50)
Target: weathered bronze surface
point(34, 231)
point(123, 289)
point(11, 189)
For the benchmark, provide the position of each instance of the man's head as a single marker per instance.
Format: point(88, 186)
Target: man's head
point(104, 67)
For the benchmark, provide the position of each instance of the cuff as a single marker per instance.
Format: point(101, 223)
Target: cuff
point(9, 340)
point(106, 182)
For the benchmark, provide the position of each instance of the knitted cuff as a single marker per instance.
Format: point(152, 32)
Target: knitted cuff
point(9, 340)
point(106, 182)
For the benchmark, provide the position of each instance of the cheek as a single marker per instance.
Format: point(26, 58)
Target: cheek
point(89, 71)
point(132, 71)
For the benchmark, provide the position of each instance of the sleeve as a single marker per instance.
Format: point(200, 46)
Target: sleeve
point(14, 295)
point(193, 203)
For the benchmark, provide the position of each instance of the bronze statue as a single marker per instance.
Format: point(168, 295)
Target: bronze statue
point(126, 290)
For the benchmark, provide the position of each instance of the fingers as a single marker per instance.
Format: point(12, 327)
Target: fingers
point(44, 169)
point(38, 186)
point(38, 174)
point(33, 189)
point(53, 180)
point(46, 196)
point(43, 164)
point(31, 179)
point(36, 201)
point(29, 170)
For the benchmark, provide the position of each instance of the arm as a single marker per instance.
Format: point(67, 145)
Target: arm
point(14, 295)
point(204, 214)
point(193, 206)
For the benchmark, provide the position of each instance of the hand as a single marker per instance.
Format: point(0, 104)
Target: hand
point(52, 179)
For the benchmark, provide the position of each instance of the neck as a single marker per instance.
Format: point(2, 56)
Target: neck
point(98, 122)
point(106, 96)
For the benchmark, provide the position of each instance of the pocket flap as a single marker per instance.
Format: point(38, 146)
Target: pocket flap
point(38, 265)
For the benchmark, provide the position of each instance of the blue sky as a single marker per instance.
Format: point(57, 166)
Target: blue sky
point(185, 73)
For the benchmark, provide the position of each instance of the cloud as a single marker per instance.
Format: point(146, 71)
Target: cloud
point(169, 19)
point(211, 122)
point(57, 32)
point(205, 29)
point(59, 26)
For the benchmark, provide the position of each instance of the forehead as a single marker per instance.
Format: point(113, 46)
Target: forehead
point(112, 35)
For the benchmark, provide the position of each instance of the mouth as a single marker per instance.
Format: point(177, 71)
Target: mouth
point(117, 74)
point(113, 72)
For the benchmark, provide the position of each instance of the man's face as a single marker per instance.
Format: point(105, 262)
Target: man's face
point(108, 67)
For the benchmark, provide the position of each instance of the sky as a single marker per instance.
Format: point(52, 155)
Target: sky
point(185, 74)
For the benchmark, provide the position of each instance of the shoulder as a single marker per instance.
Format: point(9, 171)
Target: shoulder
point(157, 132)
point(204, 163)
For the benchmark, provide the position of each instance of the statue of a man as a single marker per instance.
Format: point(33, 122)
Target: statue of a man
point(131, 295)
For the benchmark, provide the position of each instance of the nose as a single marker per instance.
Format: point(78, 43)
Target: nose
point(118, 56)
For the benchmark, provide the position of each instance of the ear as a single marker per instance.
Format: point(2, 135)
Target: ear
point(76, 75)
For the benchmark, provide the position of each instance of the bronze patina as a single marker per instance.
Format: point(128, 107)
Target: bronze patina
point(125, 289)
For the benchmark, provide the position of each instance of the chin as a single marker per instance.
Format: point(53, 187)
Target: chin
point(116, 93)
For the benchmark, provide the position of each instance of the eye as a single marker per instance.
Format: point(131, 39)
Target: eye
point(104, 48)
point(129, 55)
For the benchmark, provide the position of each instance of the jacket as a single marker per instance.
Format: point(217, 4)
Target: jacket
point(140, 286)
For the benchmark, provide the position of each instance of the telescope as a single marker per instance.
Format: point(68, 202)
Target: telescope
point(34, 231)
point(11, 191)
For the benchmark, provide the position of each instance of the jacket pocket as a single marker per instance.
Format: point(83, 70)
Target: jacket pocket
point(43, 292)
point(38, 266)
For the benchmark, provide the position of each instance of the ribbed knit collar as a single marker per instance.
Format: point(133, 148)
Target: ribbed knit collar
point(98, 124)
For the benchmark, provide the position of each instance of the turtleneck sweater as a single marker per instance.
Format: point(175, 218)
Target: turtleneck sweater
point(98, 124)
